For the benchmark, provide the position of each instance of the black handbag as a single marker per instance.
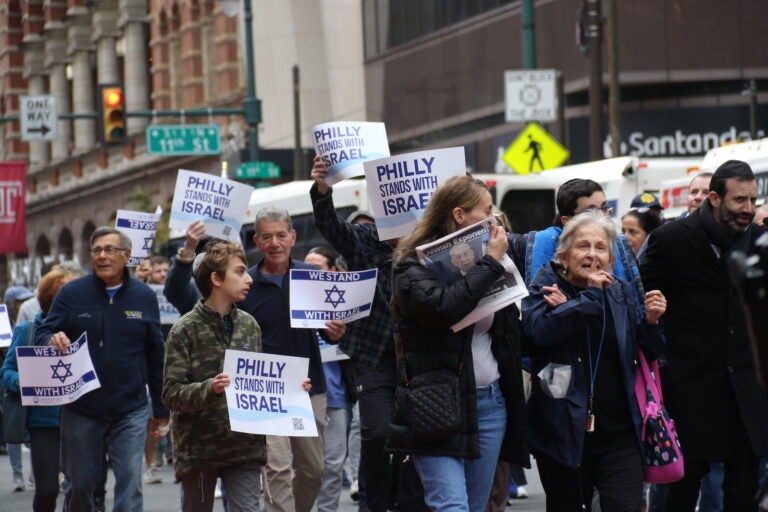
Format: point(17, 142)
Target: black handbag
point(435, 405)
point(14, 418)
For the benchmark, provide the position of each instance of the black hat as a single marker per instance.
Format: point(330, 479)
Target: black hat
point(734, 169)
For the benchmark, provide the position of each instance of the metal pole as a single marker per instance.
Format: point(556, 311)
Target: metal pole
point(298, 172)
point(753, 109)
point(594, 34)
point(251, 104)
point(614, 90)
point(529, 35)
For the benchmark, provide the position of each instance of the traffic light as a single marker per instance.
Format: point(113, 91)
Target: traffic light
point(111, 115)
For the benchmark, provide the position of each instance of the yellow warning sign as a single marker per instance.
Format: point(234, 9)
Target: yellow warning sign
point(535, 150)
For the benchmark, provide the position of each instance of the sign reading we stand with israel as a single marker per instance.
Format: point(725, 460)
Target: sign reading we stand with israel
point(6, 332)
point(220, 203)
point(345, 145)
point(265, 394)
point(400, 187)
point(140, 227)
point(48, 377)
point(318, 296)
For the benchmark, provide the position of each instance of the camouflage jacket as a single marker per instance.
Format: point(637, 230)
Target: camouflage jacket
point(194, 354)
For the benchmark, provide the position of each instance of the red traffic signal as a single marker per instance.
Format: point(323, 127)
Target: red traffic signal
point(112, 130)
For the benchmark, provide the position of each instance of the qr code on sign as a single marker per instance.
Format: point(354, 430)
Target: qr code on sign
point(227, 230)
point(298, 423)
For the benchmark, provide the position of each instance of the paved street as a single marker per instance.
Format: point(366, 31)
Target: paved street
point(165, 497)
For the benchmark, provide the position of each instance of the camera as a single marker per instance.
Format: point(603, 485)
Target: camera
point(750, 276)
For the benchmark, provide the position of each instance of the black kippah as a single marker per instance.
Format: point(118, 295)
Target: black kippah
point(734, 169)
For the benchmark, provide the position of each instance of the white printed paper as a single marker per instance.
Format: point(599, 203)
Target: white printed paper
point(168, 314)
point(346, 145)
point(220, 203)
point(6, 333)
point(400, 187)
point(319, 296)
point(266, 396)
point(48, 377)
point(140, 227)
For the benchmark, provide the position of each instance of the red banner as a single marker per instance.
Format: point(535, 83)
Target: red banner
point(13, 231)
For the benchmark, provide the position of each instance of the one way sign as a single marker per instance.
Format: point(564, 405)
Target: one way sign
point(39, 119)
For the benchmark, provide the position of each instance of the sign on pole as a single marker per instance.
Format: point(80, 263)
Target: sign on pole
point(183, 139)
point(531, 95)
point(257, 170)
point(39, 119)
point(535, 150)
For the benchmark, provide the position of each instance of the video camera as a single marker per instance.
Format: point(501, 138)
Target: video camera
point(750, 275)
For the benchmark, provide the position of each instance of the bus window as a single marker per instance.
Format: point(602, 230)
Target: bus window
point(529, 210)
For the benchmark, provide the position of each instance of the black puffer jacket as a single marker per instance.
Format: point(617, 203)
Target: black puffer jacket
point(424, 310)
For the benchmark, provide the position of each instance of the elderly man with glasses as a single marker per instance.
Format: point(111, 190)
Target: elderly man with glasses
point(121, 318)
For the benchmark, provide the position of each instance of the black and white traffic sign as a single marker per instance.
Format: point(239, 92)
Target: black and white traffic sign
point(531, 95)
point(39, 119)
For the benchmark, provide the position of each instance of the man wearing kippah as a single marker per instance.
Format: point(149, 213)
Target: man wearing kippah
point(710, 384)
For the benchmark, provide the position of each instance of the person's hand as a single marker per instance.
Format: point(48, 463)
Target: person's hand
point(220, 382)
point(335, 329)
point(655, 306)
point(158, 428)
point(195, 233)
point(306, 384)
point(497, 242)
point(60, 341)
point(555, 295)
point(318, 173)
point(599, 278)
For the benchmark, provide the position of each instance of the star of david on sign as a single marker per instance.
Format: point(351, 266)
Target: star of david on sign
point(65, 369)
point(339, 294)
point(148, 242)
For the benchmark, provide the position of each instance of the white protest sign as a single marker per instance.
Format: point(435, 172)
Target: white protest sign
point(400, 187)
point(330, 353)
point(168, 313)
point(220, 203)
point(346, 145)
point(318, 296)
point(265, 395)
point(140, 227)
point(48, 377)
point(6, 333)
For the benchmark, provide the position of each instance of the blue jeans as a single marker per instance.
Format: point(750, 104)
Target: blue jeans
point(711, 499)
point(458, 484)
point(14, 454)
point(83, 441)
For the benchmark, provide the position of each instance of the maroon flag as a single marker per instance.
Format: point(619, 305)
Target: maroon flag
point(13, 229)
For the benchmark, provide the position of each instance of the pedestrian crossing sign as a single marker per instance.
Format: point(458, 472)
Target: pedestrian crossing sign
point(535, 150)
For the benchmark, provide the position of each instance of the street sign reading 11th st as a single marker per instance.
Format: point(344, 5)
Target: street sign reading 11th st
point(183, 139)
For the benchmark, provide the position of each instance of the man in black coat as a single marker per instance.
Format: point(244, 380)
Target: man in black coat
point(710, 384)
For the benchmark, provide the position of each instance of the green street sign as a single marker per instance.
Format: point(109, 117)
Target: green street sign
point(183, 139)
point(256, 170)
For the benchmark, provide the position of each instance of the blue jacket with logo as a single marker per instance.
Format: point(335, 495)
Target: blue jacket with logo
point(124, 340)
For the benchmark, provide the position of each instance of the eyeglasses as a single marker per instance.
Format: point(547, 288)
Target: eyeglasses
point(607, 210)
point(109, 250)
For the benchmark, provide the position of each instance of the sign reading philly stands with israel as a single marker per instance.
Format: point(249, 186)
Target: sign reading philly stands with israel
point(140, 227)
point(400, 187)
point(220, 203)
point(317, 296)
point(265, 395)
point(345, 145)
point(48, 377)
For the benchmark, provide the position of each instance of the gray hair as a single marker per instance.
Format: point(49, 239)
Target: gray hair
point(125, 242)
point(70, 268)
point(272, 214)
point(588, 217)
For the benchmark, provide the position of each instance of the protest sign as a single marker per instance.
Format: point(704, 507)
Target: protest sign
point(6, 333)
point(318, 296)
point(220, 203)
point(140, 227)
point(265, 395)
point(400, 187)
point(48, 377)
point(454, 255)
point(330, 353)
point(168, 313)
point(345, 145)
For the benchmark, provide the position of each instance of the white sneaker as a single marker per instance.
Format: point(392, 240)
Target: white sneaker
point(31, 481)
point(18, 484)
point(521, 492)
point(151, 476)
point(354, 490)
point(217, 492)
